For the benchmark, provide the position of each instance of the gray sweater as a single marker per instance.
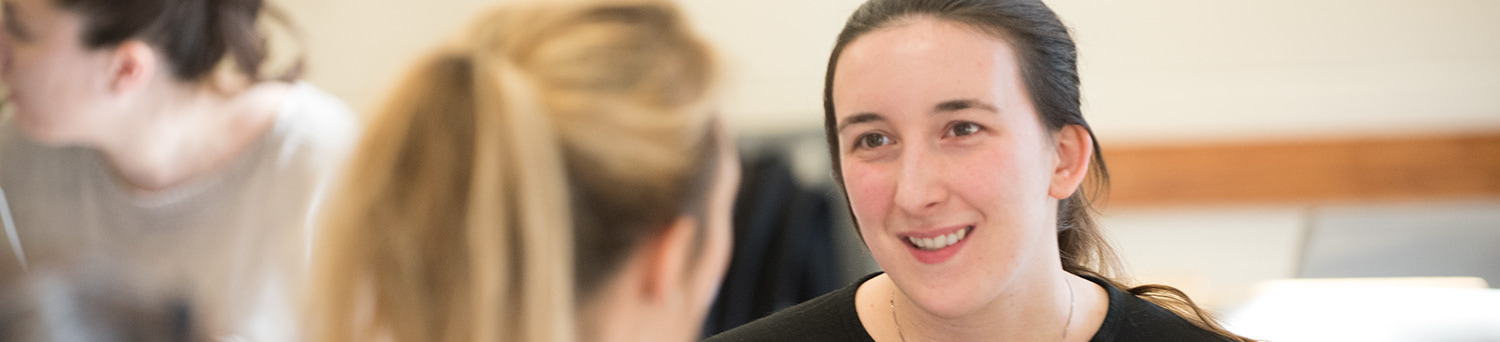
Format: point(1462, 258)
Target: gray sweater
point(225, 254)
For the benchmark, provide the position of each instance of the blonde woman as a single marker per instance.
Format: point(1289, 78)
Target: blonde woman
point(555, 175)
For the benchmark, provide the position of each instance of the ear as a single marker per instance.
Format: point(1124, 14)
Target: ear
point(666, 261)
point(1074, 148)
point(131, 67)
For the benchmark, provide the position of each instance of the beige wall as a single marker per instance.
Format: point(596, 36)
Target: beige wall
point(1194, 70)
point(773, 49)
point(357, 48)
point(1153, 70)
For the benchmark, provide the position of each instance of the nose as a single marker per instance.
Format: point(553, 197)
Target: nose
point(921, 189)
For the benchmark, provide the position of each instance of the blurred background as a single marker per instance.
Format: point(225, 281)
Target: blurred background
point(1250, 143)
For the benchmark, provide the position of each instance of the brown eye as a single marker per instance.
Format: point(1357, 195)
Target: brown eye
point(872, 140)
point(963, 129)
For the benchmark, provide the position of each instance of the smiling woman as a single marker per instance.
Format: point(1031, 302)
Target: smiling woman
point(956, 132)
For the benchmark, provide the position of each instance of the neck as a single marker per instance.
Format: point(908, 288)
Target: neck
point(1037, 306)
point(180, 132)
point(617, 314)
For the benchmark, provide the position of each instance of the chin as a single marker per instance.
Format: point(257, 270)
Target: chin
point(42, 131)
point(959, 291)
point(950, 301)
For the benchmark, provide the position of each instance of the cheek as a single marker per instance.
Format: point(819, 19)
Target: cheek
point(990, 177)
point(56, 98)
point(1006, 184)
point(871, 192)
point(33, 79)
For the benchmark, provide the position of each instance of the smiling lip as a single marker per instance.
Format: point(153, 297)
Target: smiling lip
point(938, 245)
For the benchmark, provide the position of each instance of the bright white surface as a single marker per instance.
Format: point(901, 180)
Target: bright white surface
point(1219, 255)
point(1348, 310)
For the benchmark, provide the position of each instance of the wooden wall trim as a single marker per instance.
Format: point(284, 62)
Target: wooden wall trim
point(1447, 167)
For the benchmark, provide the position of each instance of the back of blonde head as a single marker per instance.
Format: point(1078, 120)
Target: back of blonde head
point(551, 137)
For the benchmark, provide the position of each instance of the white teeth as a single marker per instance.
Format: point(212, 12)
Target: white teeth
point(935, 243)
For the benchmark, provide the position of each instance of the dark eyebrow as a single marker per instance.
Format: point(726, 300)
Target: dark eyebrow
point(962, 104)
point(943, 107)
point(860, 118)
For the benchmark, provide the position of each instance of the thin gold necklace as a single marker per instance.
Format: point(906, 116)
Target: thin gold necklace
point(893, 315)
point(1070, 308)
point(897, 321)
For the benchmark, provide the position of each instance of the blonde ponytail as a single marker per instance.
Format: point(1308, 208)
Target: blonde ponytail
point(510, 173)
point(519, 187)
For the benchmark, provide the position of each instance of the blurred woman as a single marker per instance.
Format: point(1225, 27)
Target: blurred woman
point(555, 175)
point(146, 140)
point(956, 133)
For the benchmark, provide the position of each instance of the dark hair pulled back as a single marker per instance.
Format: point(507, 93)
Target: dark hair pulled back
point(1049, 69)
point(195, 36)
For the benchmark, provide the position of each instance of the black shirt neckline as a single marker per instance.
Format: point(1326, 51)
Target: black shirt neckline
point(834, 317)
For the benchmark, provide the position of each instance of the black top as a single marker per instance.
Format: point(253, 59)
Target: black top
point(832, 317)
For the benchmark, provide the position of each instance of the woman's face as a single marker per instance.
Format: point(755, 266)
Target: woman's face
point(55, 83)
point(946, 164)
